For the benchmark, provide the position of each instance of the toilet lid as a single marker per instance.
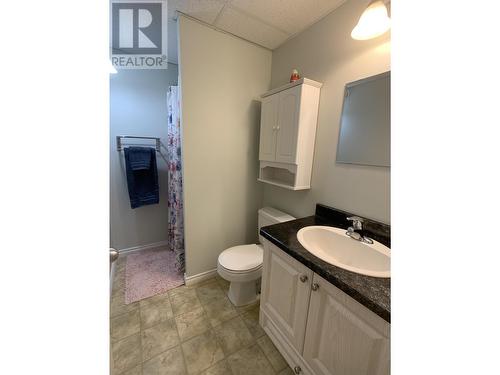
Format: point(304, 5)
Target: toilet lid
point(242, 258)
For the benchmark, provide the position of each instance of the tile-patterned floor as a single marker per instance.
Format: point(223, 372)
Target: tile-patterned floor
point(189, 330)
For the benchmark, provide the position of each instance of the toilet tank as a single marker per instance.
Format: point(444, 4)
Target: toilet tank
point(270, 216)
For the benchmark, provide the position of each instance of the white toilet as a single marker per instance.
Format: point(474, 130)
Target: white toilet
point(242, 265)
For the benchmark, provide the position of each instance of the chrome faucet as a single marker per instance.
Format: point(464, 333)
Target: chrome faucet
point(357, 224)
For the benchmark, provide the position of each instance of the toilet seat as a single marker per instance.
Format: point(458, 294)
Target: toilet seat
point(239, 272)
point(242, 259)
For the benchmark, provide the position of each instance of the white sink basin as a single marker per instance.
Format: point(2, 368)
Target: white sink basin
point(333, 246)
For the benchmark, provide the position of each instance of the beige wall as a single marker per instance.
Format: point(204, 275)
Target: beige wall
point(326, 52)
point(138, 106)
point(221, 78)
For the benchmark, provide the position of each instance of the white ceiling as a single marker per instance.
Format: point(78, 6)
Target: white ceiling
point(268, 23)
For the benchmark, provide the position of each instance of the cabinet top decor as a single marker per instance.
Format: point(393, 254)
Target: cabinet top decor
point(305, 81)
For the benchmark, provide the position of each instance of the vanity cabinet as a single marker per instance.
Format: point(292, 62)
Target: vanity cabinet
point(287, 134)
point(319, 329)
point(287, 305)
point(342, 336)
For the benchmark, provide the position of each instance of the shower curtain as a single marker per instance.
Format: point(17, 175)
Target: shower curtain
point(175, 212)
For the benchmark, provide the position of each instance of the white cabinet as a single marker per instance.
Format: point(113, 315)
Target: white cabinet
point(278, 128)
point(319, 329)
point(287, 305)
point(343, 337)
point(286, 131)
point(287, 134)
point(268, 124)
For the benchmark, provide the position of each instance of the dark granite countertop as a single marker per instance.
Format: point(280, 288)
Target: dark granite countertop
point(372, 292)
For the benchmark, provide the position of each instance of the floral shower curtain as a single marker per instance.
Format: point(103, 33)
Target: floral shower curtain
point(175, 212)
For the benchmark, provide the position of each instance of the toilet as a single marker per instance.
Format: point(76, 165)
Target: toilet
point(242, 265)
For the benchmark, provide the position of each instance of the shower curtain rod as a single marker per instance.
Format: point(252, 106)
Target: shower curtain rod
point(119, 146)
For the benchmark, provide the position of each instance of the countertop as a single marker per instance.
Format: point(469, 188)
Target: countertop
point(372, 292)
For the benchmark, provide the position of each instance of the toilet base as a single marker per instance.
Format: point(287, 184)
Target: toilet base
point(244, 293)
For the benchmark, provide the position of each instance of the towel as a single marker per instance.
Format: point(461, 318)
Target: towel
point(142, 176)
point(140, 158)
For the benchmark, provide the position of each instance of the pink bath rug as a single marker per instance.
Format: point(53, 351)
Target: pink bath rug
point(150, 272)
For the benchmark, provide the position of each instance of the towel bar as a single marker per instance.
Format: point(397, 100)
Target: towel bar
point(119, 146)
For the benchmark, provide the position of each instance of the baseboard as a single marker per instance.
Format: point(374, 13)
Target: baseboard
point(142, 247)
point(195, 279)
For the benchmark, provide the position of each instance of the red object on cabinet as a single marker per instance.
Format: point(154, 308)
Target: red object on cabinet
point(295, 76)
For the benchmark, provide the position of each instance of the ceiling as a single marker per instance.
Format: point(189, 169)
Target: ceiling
point(268, 23)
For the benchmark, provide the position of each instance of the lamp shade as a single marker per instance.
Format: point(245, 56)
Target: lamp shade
point(373, 22)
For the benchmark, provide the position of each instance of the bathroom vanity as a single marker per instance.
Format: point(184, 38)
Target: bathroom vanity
point(324, 319)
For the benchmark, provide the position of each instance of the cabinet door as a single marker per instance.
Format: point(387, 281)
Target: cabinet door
point(288, 122)
point(343, 337)
point(286, 288)
point(268, 126)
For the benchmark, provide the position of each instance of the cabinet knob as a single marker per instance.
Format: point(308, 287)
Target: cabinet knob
point(303, 278)
point(297, 369)
point(315, 286)
point(277, 128)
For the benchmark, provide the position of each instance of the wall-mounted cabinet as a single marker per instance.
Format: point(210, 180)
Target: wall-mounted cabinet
point(317, 328)
point(289, 116)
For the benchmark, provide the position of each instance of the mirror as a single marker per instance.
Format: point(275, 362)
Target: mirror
point(365, 124)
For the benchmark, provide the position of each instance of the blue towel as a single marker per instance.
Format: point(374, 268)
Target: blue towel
point(140, 158)
point(142, 176)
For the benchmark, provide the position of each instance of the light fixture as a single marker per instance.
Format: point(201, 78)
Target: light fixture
point(112, 69)
point(373, 22)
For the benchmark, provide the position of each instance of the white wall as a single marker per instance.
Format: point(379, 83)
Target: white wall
point(326, 52)
point(221, 78)
point(138, 106)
